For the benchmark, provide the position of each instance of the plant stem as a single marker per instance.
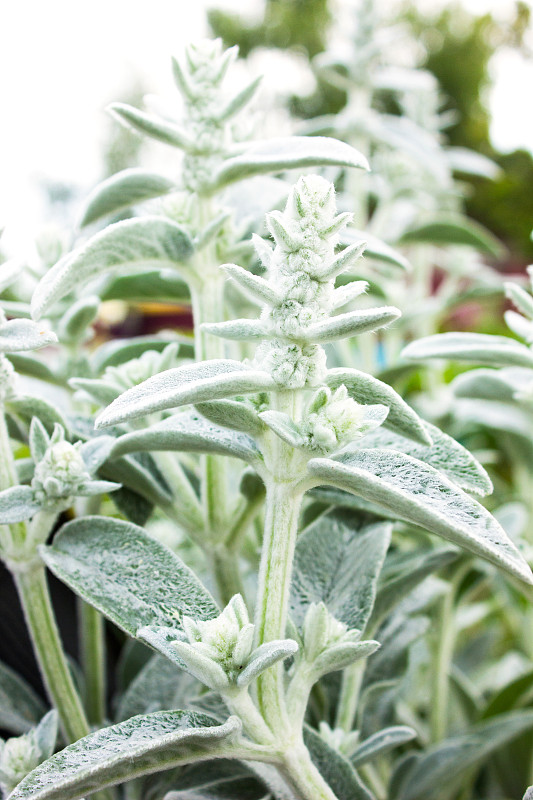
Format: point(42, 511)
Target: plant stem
point(183, 492)
point(303, 776)
point(282, 511)
point(8, 478)
point(226, 571)
point(35, 599)
point(441, 674)
point(352, 679)
point(93, 657)
point(443, 657)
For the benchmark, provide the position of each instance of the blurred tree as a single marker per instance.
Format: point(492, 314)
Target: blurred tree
point(459, 46)
point(286, 23)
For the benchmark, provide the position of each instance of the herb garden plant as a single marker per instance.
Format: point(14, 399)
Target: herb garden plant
point(273, 606)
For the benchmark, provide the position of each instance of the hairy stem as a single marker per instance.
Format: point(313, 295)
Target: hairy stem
point(34, 596)
point(93, 658)
point(352, 678)
point(227, 573)
point(303, 776)
point(282, 511)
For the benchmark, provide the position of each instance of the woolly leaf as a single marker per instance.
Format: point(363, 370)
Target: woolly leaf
point(237, 103)
point(17, 504)
point(350, 324)
point(476, 348)
point(74, 323)
point(126, 574)
point(366, 389)
point(162, 286)
point(341, 655)
point(338, 562)
point(20, 706)
point(334, 768)
point(26, 407)
point(460, 231)
point(17, 335)
point(231, 414)
point(446, 762)
point(189, 432)
point(155, 127)
point(122, 190)
point(259, 289)
point(520, 298)
point(264, 657)
point(445, 454)
point(375, 248)
point(294, 152)
point(462, 159)
point(193, 383)
point(237, 329)
point(417, 493)
point(409, 571)
point(140, 746)
point(284, 427)
point(133, 243)
point(381, 743)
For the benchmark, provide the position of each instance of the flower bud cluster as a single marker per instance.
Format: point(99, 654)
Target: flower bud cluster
point(21, 754)
point(300, 265)
point(338, 739)
point(206, 112)
point(322, 631)
point(137, 370)
point(220, 652)
point(334, 419)
point(60, 473)
point(18, 756)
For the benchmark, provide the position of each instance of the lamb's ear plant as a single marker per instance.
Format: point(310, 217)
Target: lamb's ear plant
point(303, 430)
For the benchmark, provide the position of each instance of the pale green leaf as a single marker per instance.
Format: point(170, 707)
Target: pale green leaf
point(462, 159)
point(375, 248)
point(17, 335)
point(161, 286)
point(140, 746)
point(366, 389)
point(20, 707)
point(338, 562)
point(446, 762)
point(459, 231)
point(17, 504)
point(334, 768)
point(26, 406)
point(292, 152)
point(476, 348)
point(417, 493)
point(131, 244)
point(381, 743)
point(407, 572)
point(122, 190)
point(232, 414)
point(74, 323)
point(351, 323)
point(150, 125)
point(445, 454)
point(127, 575)
point(189, 432)
point(193, 383)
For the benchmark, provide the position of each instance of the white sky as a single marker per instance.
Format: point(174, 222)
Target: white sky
point(61, 62)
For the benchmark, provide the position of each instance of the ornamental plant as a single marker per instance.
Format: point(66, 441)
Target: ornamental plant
point(254, 515)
